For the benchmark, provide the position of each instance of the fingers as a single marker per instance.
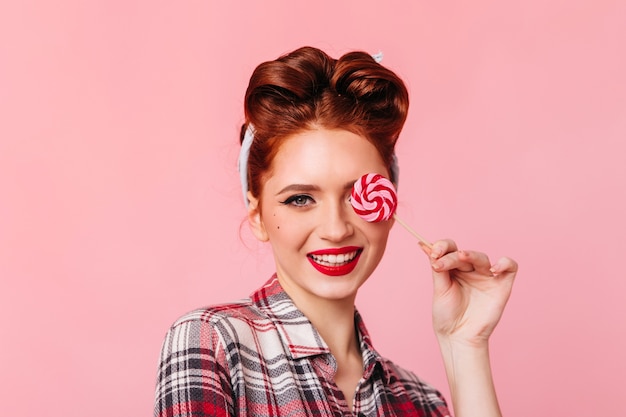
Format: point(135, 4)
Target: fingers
point(445, 256)
point(441, 247)
point(503, 266)
point(465, 261)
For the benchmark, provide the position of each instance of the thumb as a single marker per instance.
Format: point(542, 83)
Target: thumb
point(441, 279)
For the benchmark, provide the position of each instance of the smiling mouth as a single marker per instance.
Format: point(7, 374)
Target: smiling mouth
point(335, 262)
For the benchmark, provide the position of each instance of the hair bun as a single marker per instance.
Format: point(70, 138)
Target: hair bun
point(376, 90)
point(307, 89)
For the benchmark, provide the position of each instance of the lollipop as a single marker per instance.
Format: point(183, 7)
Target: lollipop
point(374, 199)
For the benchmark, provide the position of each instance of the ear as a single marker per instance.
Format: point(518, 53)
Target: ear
point(254, 218)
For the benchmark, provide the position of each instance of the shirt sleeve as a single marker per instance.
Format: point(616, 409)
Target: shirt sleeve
point(193, 377)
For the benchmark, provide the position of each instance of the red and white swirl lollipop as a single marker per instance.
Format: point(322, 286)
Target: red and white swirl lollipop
point(374, 199)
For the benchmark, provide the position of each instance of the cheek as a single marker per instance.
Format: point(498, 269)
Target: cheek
point(377, 235)
point(278, 226)
point(271, 221)
point(288, 229)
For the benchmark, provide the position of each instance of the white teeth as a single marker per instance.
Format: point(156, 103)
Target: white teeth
point(334, 260)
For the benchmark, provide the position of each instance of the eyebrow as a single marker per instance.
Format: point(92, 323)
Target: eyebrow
point(305, 188)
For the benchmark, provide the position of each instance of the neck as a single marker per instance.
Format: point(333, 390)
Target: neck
point(335, 323)
point(333, 319)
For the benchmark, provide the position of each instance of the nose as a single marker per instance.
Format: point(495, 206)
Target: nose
point(335, 224)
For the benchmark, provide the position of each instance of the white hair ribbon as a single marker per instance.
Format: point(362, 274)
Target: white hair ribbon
point(242, 163)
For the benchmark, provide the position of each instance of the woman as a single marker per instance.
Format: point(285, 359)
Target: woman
point(297, 346)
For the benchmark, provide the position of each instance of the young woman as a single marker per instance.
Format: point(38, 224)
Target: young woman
point(297, 346)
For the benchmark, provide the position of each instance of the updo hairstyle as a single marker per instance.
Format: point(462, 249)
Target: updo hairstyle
point(306, 90)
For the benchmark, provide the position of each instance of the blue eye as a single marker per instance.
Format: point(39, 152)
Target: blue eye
point(299, 200)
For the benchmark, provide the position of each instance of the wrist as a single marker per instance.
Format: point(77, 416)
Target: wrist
point(462, 343)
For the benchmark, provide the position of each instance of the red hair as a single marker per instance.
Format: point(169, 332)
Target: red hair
point(306, 89)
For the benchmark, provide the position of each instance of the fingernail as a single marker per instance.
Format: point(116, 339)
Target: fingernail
point(437, 265)
point(494, 270)
point(435, 253)
point(425, 249)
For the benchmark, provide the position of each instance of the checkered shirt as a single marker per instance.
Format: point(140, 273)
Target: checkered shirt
point(262, 357)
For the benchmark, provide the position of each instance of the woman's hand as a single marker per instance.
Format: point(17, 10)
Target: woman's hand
point(469, 292)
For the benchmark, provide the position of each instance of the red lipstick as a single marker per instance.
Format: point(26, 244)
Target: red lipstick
point(334, 268)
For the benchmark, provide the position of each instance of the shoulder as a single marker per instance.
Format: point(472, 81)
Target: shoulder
point(214, 325)
point(223, 319)
point(243, 310)
point(197, 357)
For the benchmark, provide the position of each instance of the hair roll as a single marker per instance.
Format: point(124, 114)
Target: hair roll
point(307, 89)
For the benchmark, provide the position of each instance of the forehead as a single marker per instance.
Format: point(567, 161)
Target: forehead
point(317, 155)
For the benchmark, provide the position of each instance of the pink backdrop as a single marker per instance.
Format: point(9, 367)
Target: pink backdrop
point(120, 208)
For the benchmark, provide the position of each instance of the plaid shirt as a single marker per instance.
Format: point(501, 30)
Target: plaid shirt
point(262, 357)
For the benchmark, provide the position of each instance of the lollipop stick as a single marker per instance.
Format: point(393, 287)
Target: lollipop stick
point(413, 232)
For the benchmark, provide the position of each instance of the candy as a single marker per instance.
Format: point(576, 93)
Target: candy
point(374, 198)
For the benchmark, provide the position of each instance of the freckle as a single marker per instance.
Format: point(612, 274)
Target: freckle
point(278, 227)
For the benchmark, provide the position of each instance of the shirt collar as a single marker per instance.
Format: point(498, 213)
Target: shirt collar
point(370, 356)
point(298, 334)
point(296, 331)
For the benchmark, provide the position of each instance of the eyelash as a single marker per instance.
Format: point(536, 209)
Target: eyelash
point(291, 201)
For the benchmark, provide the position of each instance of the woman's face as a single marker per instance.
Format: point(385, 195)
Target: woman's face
point(322, 248)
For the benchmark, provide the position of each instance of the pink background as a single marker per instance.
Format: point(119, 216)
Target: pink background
point(120, 207)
